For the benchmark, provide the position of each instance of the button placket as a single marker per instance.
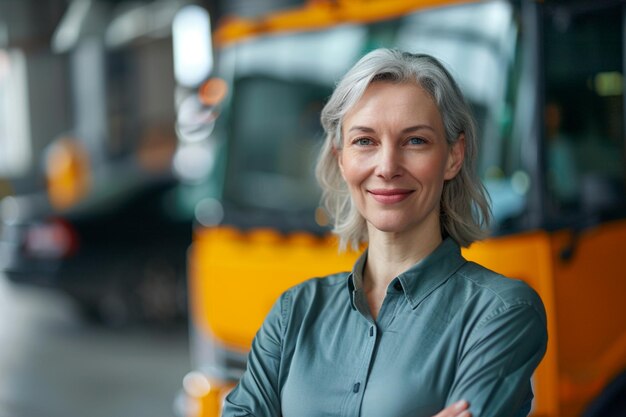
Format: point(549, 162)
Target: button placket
point(357, 389)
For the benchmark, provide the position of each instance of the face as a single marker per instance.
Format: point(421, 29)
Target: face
point(395, 158)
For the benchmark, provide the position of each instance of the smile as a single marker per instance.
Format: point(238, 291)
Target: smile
point(390, 196)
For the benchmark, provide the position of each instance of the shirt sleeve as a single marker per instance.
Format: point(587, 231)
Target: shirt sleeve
point(495, 369)
point(257, 393)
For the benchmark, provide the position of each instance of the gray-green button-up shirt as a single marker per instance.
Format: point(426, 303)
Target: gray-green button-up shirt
point(448, 329)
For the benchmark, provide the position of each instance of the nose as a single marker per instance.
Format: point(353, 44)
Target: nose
point(389, 164)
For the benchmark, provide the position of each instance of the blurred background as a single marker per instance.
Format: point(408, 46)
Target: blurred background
point(94, 232)
point(157, 189)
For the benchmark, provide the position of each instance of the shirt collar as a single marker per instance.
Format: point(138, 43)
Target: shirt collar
point(355, 280)
point(421, 279)
point(425, 276)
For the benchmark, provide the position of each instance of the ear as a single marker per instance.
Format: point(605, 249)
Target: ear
point(456, 156)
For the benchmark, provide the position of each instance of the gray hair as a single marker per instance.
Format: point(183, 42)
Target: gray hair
point(465, 212)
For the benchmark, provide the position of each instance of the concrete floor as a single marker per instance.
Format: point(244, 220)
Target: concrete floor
point(53, 364)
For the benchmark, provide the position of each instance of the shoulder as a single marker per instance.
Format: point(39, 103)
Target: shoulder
point(500, 309)
point(315, 290)
point(498, 293)
point(317, 284)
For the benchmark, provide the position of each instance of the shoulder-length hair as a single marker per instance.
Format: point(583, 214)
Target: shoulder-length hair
point(465, 212)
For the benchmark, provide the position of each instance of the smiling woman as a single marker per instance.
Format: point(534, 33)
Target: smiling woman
point(464, 204)
point(414, 329)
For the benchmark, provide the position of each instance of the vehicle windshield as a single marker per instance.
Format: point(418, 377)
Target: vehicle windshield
point(281, 82)
point(584, 113)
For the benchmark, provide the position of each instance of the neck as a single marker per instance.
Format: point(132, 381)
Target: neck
point(390, 254)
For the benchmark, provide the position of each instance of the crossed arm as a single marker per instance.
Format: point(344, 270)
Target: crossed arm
point(492, 376)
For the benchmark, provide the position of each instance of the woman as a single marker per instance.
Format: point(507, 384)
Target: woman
point(414, 330)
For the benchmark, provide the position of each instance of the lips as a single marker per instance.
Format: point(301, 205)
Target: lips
point(390, 196)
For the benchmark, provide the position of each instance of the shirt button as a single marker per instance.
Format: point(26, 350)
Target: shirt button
point(371, 331)
point(356, 387)
point(398, 286)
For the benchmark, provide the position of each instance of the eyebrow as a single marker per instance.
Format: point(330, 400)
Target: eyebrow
point(405, 130)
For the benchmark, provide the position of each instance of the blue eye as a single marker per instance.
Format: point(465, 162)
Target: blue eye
point(416, 141)
point(363, 141)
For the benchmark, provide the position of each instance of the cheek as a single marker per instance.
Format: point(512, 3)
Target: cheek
point(429, 169)
point(351, 169)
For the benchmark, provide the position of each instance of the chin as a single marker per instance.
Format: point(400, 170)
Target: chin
point(388, 226)
point(400, 225)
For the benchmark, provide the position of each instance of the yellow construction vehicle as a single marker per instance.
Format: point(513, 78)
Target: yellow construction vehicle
point(559, 223)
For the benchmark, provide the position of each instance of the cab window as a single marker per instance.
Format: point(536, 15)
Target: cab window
point(584, 111)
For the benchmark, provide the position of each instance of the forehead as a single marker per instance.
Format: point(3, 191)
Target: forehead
point(385, 101)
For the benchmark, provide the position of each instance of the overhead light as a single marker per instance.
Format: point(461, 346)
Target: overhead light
point(193, 57)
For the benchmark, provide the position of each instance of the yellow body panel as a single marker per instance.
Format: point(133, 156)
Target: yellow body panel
point(589, 293)
point(238, 276)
